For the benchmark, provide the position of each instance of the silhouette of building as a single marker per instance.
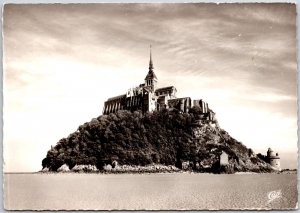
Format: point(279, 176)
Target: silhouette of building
point(148, 98)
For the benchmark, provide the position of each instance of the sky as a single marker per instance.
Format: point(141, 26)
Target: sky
point(62, 61)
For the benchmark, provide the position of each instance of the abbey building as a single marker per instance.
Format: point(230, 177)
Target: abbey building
point(147, 97)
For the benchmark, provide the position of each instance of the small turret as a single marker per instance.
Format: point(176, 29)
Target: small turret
point(273, 159)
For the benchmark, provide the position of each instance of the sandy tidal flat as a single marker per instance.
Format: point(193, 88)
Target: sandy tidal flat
point(149, 191)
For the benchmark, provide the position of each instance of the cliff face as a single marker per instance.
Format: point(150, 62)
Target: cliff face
point(184, 140)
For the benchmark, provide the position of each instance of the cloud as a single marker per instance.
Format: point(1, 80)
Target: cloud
point(62, 61)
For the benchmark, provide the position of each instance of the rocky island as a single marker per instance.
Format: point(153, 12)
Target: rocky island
point(159, 141)
point(149, 129)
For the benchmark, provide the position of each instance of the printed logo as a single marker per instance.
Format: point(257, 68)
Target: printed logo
point(274, 195)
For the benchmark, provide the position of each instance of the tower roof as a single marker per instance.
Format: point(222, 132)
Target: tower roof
point(151, 74)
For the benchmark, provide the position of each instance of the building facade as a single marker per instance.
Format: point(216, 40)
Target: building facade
point(147, 97)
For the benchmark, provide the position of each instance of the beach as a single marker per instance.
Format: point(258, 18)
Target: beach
point(158, 191)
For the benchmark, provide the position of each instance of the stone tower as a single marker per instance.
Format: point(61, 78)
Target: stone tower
point(273, 160)
point(151, 79)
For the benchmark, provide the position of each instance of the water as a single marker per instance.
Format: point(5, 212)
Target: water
point(148, 191)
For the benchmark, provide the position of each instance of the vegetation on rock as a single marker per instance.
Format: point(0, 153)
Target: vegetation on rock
point(165, 137)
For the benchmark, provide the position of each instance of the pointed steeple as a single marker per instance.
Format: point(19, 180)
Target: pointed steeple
point(151, 74)
point(151, 79)
point(150, 62)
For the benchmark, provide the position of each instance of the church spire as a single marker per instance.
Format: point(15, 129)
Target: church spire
point(150, 62)
point(151, 79)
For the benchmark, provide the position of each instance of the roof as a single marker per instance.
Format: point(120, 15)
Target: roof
point(274, 157)
point(174, 99)
point(161, 98)
point(116, 97)
point(150, 75)
point(146, 89)
point(165, 89)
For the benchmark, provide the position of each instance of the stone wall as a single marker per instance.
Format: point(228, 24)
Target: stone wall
point(182, 104)
point(148, 102)
point(114, 104)
point(202, 105)
point(141, 101)
point(275, 162)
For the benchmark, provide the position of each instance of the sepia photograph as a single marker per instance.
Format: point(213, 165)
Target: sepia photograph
point(150, 106)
